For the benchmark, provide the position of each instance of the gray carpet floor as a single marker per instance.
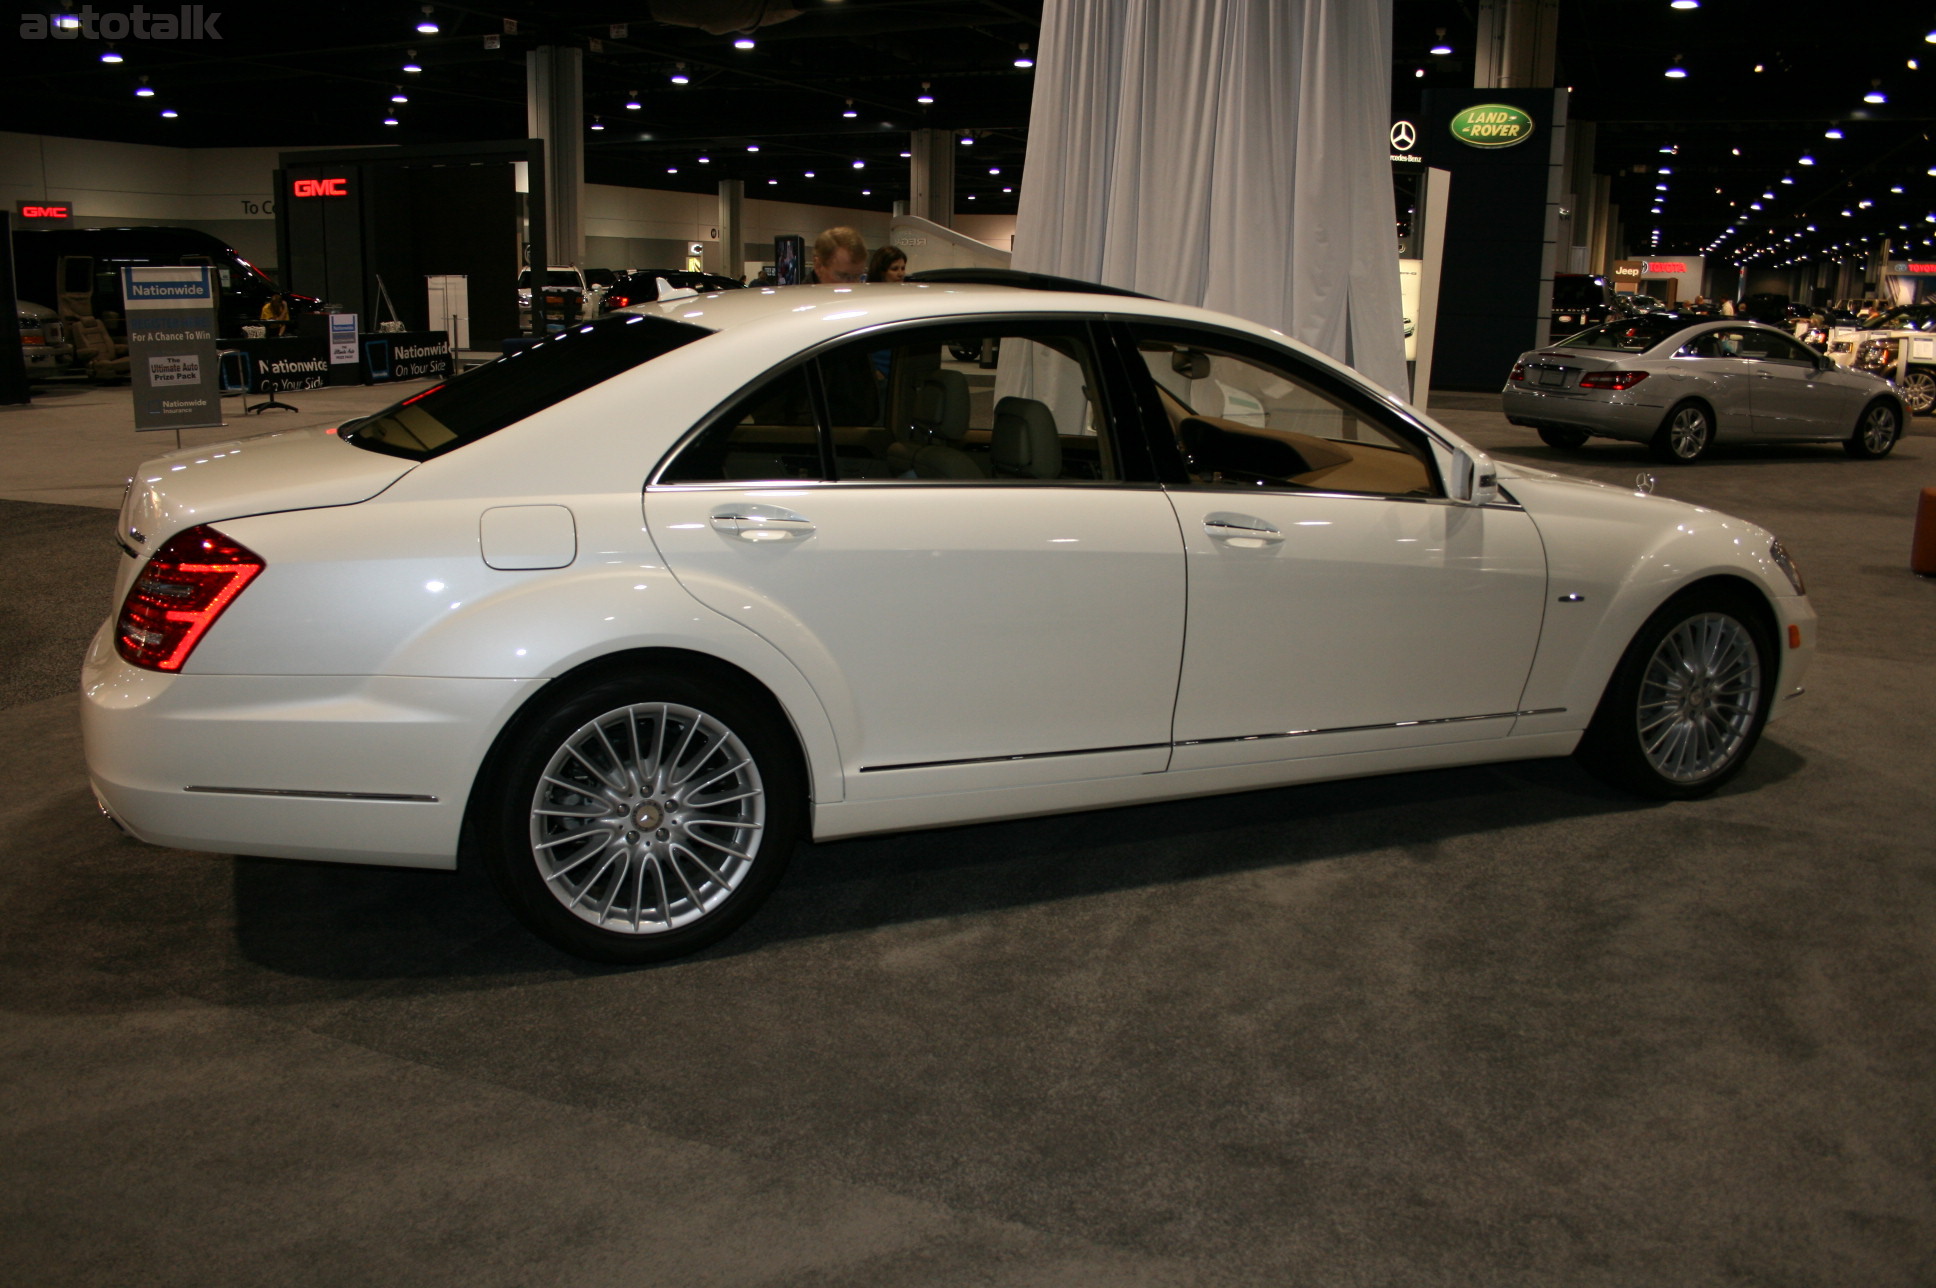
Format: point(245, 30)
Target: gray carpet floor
point(1490, 1026)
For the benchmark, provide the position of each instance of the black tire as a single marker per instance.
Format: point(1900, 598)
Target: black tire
point(1918, 390)
point(662, 868)
point(1553, 436)
point(1685, 436)
point(1687, 704)
point(1877, 433)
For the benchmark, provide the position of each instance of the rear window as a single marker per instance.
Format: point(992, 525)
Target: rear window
point(1626, 335)
point(1578, 293)
point(486, 399)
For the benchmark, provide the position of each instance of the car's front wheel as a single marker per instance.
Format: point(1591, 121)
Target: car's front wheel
point(1685, 435)
point(643, 816)
point(1553, 436)
point(1918, 390)
point(1688, 701)
point(1876, 433)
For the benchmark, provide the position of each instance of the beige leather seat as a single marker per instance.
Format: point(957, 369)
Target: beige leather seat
point(93, 345)
point(1025, 444)
point(937, 427)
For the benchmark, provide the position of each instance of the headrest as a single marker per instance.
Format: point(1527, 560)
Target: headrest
point(941, 407)
point(1025, 443)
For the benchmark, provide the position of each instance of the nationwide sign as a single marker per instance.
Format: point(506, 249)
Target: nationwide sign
point(1492, 125)
point(321, 187)
point(45, 211)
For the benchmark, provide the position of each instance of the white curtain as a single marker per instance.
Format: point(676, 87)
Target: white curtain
point(1227, 153)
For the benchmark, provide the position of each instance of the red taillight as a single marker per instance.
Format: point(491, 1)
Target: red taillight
point(1611, 379)
point(178, 596)
point(1519, 371)
point(617, 301)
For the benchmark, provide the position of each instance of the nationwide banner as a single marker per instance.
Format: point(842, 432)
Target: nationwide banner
point(171, 346)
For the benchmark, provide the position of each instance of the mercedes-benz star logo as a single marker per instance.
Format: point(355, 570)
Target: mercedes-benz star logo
point(1404, 136)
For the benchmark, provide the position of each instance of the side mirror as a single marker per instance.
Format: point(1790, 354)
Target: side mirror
point(1473, 480)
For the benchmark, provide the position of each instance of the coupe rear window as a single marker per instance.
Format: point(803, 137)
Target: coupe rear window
point(487, 398)
point(1626, 335)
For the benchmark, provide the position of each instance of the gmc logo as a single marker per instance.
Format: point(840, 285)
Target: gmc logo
point(322, 187)
point(31, 211)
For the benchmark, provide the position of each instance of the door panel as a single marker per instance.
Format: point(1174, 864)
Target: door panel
point(1796, 401)
point(1351, 623)
point(941, 624)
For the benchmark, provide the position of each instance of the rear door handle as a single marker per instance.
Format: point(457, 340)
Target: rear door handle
point(761, 523)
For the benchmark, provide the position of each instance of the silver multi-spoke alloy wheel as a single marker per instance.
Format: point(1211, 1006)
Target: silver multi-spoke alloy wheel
point(1879, 429)
point(1699, 698)
point(647, 818)
point(1918, 391)
point(1687, 433)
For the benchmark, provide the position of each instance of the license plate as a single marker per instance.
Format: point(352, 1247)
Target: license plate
point(1552, 376)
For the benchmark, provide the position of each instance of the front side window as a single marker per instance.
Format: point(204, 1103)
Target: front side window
point(1243, 420)
point(979, 401)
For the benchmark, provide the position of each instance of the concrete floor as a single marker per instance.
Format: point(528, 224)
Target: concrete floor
point(1490, 1026)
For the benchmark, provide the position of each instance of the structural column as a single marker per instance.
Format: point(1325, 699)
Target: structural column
point(554, 98)
point(931, 176)
point(1517, 44)
point(732, 243)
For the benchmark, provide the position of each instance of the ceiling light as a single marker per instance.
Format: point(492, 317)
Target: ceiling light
point(994, 169)
point(66, 22)
point(1811, 161)
point(1660, 187)
point(1788, 178)
point(142, 91)
point(1022, 59)
point(429, 24)
point(109, 56)
point(967, 140)
point(170, 113)
point(924, 96)
point(1831, 133)
point(850, 113)
point(806, 174)
point(705, 160)
point(1875, 94)
point(1683, 4)
point(1757, 67)
point(752, 147)
point(390, 120)
point(971, 196)
point(672, 169)
point(1418, 74)
point(1439, 48)
point(1767, 196)
point(1912, 65)
point(632, 103)
point(679, 76)
point(860, 165)
point(866, 192)
point(910, 154)
point(1008, 189)
point(745, 42)
point(410, 61)
point(771, 182)
point(1897, 189)
point(1663, 170)
point(1737, 151)
point(1863, 205)
point(399, 96)
point(1754, 205)
point(597, 124)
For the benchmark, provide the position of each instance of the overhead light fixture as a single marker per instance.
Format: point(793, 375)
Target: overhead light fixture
point(1875, 94)
point(866, 192)
point(169, 113)
point(1788, 178)
point(399, 96)
point(850, 113)
point(109, 56)
point(906, 155)
point(771, 182)
point(705, 160)
point(1418, 74)
point(66, 22)
point(672, 169)
point(1663, 170)
point(410, 61)
point(597, 124)
point(1811, 161)
point(924, 96)
point(1022, 59)
point(1439, 48)
point(142, 90)
point(632, 103)
point(806, 174)
point(1912, 65)
point(1897, 189)
point(390, 120)
point(967, 140)
point(679, 76)
point(860, 165)
point(429, 25)
point(752, 147)
point(994, 169)
point(1683, 4)
point(1831, 133)
point(746, 42)
point(1676, 72)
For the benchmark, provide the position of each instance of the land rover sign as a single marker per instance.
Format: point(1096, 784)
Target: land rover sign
point(1492, 125)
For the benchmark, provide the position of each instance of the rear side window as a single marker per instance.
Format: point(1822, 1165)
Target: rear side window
point(1627, 335)
point(486, 399)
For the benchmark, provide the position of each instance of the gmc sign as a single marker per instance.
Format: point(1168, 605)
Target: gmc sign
point(45, 211)
point(321, 187)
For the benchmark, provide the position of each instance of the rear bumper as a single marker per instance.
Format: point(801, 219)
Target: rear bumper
point(1615, 414)
point(352, 769)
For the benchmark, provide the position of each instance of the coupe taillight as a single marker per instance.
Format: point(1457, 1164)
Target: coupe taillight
point(1518, 371)
point(178, 596)
point(1611, 379)
point(617, 300)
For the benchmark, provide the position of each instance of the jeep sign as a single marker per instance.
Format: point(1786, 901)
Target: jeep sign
point(1492, 125)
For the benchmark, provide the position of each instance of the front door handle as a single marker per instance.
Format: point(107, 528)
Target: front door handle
point(761, 523)
point(1240, 529)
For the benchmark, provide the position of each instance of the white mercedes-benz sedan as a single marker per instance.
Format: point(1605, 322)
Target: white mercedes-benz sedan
point(1682, 384)
point(626, 615)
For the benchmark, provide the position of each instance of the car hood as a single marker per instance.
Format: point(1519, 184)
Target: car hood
point(301, 469)
point(1544, 492)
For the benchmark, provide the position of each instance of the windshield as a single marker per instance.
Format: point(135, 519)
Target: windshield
point(553, 277)
point(487, 398)
point(1628, 335)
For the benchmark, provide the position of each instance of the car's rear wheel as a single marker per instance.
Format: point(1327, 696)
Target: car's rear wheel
point(1568, 438)
point(1918, 391)
point(644, 816)
point(1685, 436)
point(1876, 433)
point(1688, 701)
